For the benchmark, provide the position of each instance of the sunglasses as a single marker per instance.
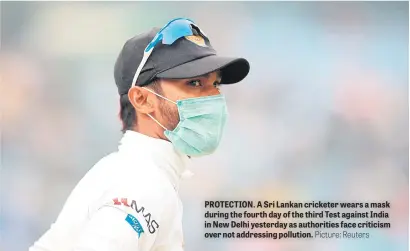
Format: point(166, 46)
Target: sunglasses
point(171, 32)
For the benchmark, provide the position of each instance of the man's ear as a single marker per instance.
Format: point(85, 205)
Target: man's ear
point(141, 99)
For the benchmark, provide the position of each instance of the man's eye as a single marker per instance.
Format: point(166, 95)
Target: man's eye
point(195, 83)
point(217, 84)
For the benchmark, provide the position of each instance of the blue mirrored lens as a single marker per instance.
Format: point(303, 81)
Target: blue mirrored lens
point(175, 29)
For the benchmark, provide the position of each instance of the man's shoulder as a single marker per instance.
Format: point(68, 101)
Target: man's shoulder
point(138, 188)
point(123, 162)
point(133, 179)
point(139, 191)
point(121, 167)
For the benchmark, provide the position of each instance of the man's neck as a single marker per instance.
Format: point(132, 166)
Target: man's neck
point(150, 130)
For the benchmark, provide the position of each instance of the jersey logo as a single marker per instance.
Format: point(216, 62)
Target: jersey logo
point(135, 224)
point(152, 224)
point(123, 201)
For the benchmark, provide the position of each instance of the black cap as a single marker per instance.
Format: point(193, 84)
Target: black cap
point(187, 57)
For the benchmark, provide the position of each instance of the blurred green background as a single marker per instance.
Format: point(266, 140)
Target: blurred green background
point(323, 114)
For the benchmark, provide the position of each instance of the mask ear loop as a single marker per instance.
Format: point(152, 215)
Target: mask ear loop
point(159, 95)
point(157, 122)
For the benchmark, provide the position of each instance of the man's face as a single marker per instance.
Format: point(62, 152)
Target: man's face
point(167, 112)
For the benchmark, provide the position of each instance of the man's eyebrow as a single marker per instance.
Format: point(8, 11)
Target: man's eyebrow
point(206, 75)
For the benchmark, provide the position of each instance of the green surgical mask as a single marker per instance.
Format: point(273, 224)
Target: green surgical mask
point(201, 124)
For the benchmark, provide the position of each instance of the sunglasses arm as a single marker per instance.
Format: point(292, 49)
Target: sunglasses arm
point(143, 61)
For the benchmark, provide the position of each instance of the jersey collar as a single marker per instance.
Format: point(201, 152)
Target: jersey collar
point(162, 153)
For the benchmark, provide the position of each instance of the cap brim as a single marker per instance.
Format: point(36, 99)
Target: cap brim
point(233, 70)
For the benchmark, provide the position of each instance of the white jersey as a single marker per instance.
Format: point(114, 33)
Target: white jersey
point(127, 202)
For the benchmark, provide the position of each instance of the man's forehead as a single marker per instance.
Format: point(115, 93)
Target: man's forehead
point(218, 74)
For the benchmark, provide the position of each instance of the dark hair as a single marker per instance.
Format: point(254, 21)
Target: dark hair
point(127, 111)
